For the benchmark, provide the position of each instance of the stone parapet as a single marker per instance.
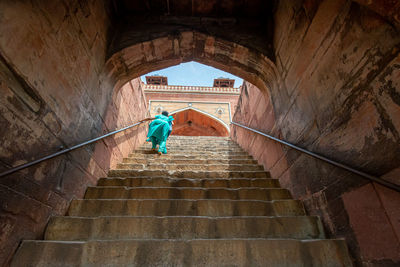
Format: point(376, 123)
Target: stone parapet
point(191, 89)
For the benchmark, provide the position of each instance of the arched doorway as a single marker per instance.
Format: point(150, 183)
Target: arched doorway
point(192, 122)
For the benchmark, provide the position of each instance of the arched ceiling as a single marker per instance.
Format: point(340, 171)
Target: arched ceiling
point(249, 23)
point(233, 35)
point(245, 22)
point(199, 8)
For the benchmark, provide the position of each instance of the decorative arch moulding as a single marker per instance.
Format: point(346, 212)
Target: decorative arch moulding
point(204, 113)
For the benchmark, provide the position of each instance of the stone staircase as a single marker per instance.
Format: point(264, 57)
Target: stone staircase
point(205, 203)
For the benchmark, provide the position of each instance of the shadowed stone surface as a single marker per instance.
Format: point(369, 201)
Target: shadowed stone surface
point(170, 207)
point(185, 227)
point(190, 252)
point(190, 174)
point(189, 182)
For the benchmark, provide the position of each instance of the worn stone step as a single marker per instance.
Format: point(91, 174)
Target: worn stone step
point(184, 156)
point(189, 174)
point(214, 138)
point(198, 152)
point(208, 252)
point(196, 145)
point(198, 148)
point(184, 137)
point(110, 192)
point(200, 140)
point(191, 167)
point(182, 227)
point(214, 148)
point(182, 182)
point(162, 160)
point(182, 207)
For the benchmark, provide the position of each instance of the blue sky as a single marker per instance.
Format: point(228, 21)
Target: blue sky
point(193, 73)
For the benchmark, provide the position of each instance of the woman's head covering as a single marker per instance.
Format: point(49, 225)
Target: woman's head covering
point(165, 113)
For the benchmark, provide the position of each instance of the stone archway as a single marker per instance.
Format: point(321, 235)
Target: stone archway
point(193, 122)
point(144, 57)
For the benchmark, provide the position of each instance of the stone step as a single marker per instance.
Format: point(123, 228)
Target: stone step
point(189, 174)
point(202, 144)
point(196, 140)
point(180, 207)
point(182, 227)
point(199, 141)
point(185, 156)
point(162, 160)
point(207, 252)
point(197, 147)
point(197, 152)
point(115, 192)
point(183, 137)
point(191, 167)
point(182, 182)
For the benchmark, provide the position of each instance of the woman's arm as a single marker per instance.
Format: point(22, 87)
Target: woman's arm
point(147, 119)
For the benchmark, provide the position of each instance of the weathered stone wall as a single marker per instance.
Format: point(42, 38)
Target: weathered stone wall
point(255, 110)
point(53, 94)
point(339, 96)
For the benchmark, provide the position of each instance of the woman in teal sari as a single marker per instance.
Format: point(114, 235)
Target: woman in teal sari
point(159, 130)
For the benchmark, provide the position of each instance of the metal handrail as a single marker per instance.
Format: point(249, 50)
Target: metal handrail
point(343, 166)
point(26, 165)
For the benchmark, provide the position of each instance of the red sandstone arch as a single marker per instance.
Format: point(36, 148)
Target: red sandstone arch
point(190, 122)
point(162, 52)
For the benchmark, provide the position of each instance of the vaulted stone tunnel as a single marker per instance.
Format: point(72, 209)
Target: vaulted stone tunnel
point(323, 74)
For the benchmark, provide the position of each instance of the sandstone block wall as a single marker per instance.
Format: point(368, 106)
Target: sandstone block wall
point(339, 96)
point(53, 95)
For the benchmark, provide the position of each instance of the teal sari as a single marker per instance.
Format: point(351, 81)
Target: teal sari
point(159, 131)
